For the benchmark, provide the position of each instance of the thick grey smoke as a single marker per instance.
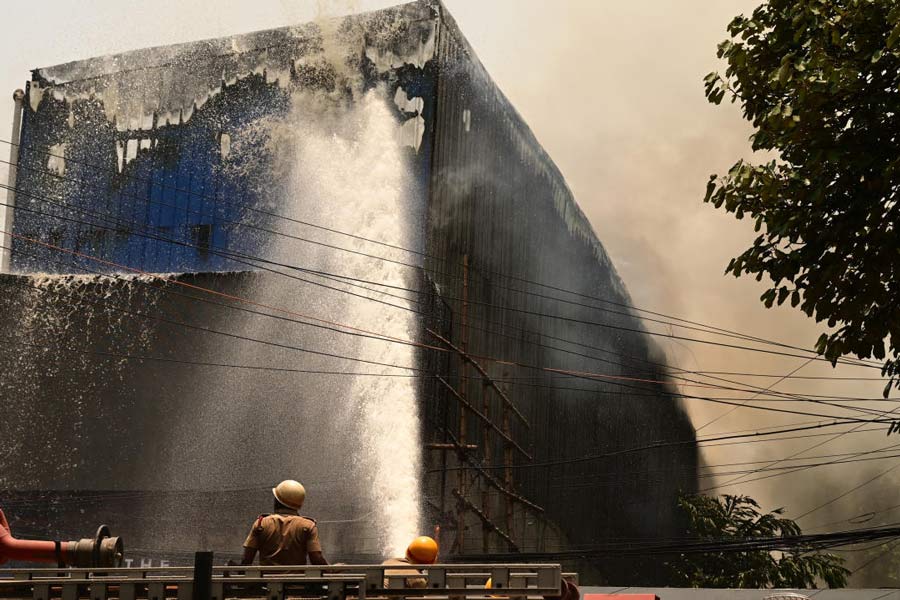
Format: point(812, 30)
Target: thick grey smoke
point(614, 92)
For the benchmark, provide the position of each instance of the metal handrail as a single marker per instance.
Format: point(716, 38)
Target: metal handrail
point(326, 582)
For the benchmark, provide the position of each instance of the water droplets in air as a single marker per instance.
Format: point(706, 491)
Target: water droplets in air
point(348, 168)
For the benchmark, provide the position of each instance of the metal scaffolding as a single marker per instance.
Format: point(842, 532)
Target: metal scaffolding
point(494, 412)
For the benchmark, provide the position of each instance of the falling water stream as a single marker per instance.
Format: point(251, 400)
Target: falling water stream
point(200, 443)
point(188, 430)
point(349, 170)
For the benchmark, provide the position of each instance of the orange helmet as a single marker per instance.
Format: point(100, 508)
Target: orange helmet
point(290, 493)
point(422, 551)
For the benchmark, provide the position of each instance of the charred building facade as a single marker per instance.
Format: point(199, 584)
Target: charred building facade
point(313, 194)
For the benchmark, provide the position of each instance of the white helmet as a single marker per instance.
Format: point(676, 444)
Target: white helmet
point(290, 493)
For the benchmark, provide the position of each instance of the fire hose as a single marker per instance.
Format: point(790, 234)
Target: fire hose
point(102, 550)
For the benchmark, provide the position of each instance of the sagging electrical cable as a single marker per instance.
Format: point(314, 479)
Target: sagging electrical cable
point(731, 410)
point(190, 192)
point(239, 259)
point(181, 243)
point(594, 358)
point(623, 452)
point(848, 492)
point(586, 481)
point(397, 366)
point(802, 543)
point(884, 453)
point(633, 379)
point(742, 479)
point(59, 217)
point(338, 331)
point(844, 421)
point(252, 339)
point(414, 343)
point(340, 248)
point(119, 356)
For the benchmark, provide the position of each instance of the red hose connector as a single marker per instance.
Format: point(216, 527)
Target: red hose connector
point(101, 551)
point(28, 550)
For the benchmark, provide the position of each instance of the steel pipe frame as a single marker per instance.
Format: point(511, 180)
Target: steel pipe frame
point(542, 579)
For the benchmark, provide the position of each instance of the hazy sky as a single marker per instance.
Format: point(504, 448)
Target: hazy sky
point(613, 90)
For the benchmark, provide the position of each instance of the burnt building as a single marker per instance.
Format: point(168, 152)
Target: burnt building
point(227, 254)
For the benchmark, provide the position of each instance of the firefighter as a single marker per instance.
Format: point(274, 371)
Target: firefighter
point(421, 551)
point(284, 537)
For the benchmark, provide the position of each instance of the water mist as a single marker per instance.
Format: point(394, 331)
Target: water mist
point(346, 167)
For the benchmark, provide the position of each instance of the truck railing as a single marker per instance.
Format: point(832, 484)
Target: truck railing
point(323, 582)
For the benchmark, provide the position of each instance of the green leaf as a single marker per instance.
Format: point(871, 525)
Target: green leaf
point(784, 73)
point(821, 343)
point(893, 37)
point(782, 295)
point(710, 188)
point(823, 208)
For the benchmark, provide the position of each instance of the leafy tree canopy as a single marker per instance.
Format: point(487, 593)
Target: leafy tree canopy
point(739, 517)
point(820, 82)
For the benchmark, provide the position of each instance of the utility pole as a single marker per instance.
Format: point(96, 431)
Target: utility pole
point(486, 454)
point(463, 422)
point(504, 432)
point(507, 464)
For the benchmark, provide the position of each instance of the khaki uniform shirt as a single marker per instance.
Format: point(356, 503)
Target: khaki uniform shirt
point(411, 582)
point(283, 538)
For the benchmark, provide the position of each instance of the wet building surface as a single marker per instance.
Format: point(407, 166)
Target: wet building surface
point(315, 190)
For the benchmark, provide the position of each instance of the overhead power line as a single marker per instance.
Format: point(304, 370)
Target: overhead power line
point(858, 518)
point(703, 443)
point(248, 338)
point(595, 376)
point(269, 269)
point(388, 338)
point(778, 376)
point(590, 480)
point(242, 259)
point(193, 363)
point(794, 455)
point(269, 368)
point(653, 446)
point(848, 492)
point(588, 356)
point(163, 185)
point(845, 421)
point(794, 543)
point(94, 258)
point(731, 410)
point(890, 547)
